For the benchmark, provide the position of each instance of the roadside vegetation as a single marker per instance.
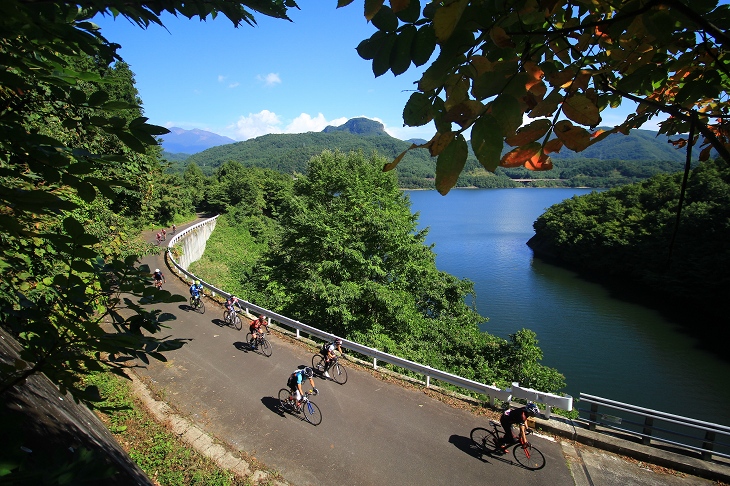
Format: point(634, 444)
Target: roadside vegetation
point(159, 452)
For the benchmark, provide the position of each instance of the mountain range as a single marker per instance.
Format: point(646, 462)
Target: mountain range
point(289, 153)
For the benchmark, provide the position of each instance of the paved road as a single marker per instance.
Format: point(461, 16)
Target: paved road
point(373, 432)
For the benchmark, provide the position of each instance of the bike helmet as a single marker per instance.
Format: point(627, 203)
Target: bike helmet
point(532, 409)
point(157, 270)
point(338, 341)
point(308, 372)
point(197, 282)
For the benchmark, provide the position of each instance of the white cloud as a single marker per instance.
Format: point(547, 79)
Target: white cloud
point(256, 124)
point(269, 79)
point(233, 85)
point(265, 122)
point(305, 123)
point(221, 78)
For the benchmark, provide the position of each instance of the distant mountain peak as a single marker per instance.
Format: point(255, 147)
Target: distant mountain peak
point(358, 126)
point(180, 140)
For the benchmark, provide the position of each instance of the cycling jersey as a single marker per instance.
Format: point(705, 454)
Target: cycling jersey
point(195, 290)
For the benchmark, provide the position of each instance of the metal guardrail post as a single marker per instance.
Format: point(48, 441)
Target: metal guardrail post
point(593, 416)
point(707, 445)
point(375, 363)
point(648, 423)
point(428, 381)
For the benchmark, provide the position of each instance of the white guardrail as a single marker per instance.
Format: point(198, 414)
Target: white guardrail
point(548, 399)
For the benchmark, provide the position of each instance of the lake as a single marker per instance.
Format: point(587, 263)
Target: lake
point(604, 346)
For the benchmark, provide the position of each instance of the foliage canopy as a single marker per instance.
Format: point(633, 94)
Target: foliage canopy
point(558, 62)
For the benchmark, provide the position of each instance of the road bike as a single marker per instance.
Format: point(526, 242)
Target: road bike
point(527, 455)
point(308, 408)
point(231, 318)
point(260, 343)
point(336, 371)
point(158, 284)
point(197, 304)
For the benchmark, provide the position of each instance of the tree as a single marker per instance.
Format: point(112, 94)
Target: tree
point(75, 153)
point(558, 62)
point(352, 261)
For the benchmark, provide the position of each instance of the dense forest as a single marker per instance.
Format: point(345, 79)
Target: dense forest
point(617, 161)
point(633, 233)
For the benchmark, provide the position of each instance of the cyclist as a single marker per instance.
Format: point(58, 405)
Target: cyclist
point(255, 329)
point(159, 238)
point(516, 416)
point(328, 351)
point(195, 290)
point(159, 278)
point(174, 228)
point(231, 302)
point(164, 234)
point(295, 383)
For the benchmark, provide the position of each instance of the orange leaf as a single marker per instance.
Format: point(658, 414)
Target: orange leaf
point(398, 5)
point(561, 79)
point(575, 138)
point(500, 37)
point(391, 165)
point(439, 142)
point(582, 110)
point(372, 7)
point(520, 155)
point(529, 133)
point(539, 161)
point(553, 146)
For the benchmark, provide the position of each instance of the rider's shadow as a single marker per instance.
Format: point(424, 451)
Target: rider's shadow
point(220, 322)
point(242, 346)
point(274, 405)
point(465, 444)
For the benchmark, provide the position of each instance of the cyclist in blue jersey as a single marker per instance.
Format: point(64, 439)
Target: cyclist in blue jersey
point(196, 289)
point(295, 383)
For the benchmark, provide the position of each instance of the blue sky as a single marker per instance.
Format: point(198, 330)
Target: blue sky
point(276, 77)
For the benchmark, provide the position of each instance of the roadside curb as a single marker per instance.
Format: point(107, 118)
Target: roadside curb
point(196, 437)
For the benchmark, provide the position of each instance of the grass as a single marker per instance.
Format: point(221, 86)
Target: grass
point(167, 460)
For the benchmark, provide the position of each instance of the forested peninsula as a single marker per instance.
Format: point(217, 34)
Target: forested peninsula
point(636, 235)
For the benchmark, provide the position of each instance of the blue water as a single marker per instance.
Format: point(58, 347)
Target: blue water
point(604, 346)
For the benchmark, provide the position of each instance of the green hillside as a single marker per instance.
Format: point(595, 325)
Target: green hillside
point(617, 160)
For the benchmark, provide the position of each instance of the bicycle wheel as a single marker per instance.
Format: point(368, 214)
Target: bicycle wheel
point(484, 439)
point(338, 373)
point(201, 306)
point(249, 340)
point(318, 363)
point(265, 347)
point(237, 323)
point(529, 457)
point(284, 399)
point(227, 316)
point(312, 413)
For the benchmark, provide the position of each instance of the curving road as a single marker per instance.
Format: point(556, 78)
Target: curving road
point(372, 432)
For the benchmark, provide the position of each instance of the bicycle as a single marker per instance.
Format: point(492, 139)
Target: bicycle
point(158, 284)
point(337, 372)
point(260, 343)
point(231, 318)
point(311, 411)
point(197, 304)
point(527, 455)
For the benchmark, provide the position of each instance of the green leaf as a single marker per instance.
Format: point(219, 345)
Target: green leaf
point(508, 113)
point(400, 58)
point(369, 48)
point(385, 20)
point(73, 228)
point(381, 62)
point(423, 45)
point(450, 163)
point(446, 18)
point(417, 111)
point(411, 12)
point(487, 141)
